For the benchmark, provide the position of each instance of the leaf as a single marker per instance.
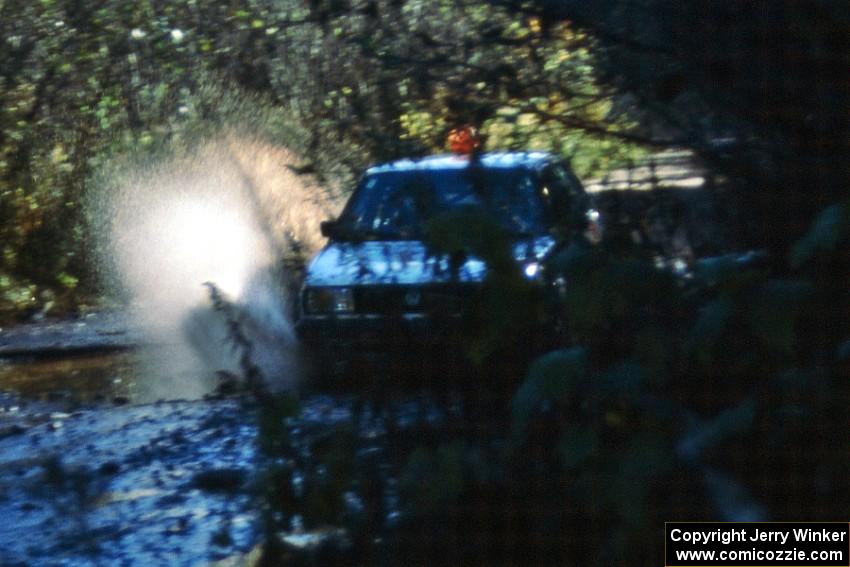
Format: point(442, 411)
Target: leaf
point(551, 378)
point(830, 227)
point(647, 457)
point(590, 303)
point(729, 271)
point(655, 348)
point(772, 316)
point(642, 283)
point(732, 501)
point(715, 431)
point(648, 454)
point(807, 385)
point(577, 259)
point(432, 480)
point(710, 325)
point(602, 292)
point(625, 381)
point(577, 445)
point(474, 233)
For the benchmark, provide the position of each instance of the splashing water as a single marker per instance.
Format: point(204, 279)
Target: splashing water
point(226, 214)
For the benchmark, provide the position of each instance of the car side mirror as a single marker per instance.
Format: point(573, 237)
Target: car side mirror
point(329, 228)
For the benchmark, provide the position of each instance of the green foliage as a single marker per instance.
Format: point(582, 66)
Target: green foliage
point(830, 228)
point(507, 303)
point(472, 233)
point(271, 416)
point(671, 379)
point(432, 480)
point(342, 84)
point(694, 389)
point(776, 308)
point(709, 328)
point(577, 445)
point(657, 378)
point(784, 145)
point(713, 432)
point(552, 378)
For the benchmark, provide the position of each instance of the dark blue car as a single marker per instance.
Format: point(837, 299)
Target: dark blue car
point(379, 284)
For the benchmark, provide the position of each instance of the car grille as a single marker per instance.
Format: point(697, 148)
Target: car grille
point(446, 299)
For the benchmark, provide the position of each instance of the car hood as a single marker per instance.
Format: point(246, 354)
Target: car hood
point(405, 262)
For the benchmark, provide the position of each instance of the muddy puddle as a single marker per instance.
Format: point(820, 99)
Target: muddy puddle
point(119, 485)
point(90, 476)
point(84, 379)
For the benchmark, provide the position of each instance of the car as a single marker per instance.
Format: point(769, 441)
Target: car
point(379, 285)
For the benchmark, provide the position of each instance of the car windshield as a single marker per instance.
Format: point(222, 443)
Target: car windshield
point(394, 205)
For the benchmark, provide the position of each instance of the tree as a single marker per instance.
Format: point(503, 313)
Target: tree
point(758, 89)
point(389, 79)
point(362, 80)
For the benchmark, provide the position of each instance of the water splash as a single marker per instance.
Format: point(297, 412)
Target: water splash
point(226, 213)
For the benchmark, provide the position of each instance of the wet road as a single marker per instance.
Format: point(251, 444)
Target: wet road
point(90, 477)
point(94, 332)
point(128, 485)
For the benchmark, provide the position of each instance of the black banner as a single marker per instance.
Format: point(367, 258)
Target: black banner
point(757, 544)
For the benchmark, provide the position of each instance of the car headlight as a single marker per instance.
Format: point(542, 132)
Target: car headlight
point(329, 300)
point(532, 270)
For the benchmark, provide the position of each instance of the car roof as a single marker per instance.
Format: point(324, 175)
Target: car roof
point(490, 160)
